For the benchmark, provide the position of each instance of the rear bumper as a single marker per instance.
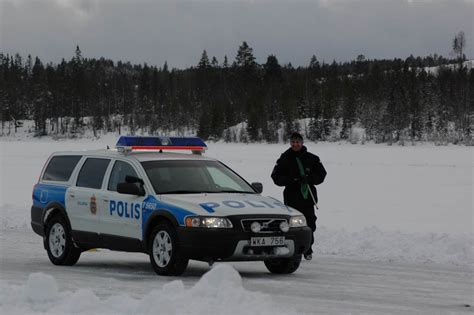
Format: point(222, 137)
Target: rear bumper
point(36, 220)
point(232, 245)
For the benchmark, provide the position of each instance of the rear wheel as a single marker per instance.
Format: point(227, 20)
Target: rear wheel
point(165, 255)
point(283, 265)
point(59, 244)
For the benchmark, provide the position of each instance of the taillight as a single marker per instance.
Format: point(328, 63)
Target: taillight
point(33, 193)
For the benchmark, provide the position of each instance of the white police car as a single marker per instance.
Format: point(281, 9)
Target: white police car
point(173, 207)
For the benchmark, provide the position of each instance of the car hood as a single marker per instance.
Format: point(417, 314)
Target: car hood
point(225, 204)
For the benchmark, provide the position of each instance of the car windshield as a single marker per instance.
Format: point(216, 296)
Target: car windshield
point(188, 177)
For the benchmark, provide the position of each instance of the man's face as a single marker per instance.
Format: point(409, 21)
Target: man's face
point(296, 144)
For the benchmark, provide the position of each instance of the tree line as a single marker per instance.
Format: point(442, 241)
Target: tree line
point(393, 100)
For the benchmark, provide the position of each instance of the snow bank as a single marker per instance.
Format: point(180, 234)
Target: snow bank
point(377, 245)
point(219, 291)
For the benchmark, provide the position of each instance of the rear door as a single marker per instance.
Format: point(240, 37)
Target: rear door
point(82, 199)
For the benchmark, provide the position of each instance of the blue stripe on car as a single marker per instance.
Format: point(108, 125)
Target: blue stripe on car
point(43, 194)
point(151, 204)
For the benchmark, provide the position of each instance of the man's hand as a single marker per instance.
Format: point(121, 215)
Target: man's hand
point(305, 179)
point(297, 180)
point(301, 180)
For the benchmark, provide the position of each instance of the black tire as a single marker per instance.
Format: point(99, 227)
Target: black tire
point(169, 261)
point(65, 254)
point(283, 265)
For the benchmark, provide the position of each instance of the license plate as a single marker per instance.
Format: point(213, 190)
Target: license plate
point(267, 241)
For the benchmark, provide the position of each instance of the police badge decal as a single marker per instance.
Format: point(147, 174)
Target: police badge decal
point(93, 205)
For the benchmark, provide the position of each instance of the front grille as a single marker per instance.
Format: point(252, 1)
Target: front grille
point(269, 225)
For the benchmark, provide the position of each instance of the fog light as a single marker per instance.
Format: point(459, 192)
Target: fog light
point(255, 227)
point(284, 227)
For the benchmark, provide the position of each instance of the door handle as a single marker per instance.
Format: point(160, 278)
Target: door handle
point(72, 195)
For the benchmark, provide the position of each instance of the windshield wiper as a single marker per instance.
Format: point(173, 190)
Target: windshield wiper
point(182, 192)
point(234, 191)
point(205, 192)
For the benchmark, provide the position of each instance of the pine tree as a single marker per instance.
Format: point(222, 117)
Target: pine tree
point(214, 62)
point(459, 43)
point(348, 110)
point(314, 68)
point(39, 97)
point(272, 84)
point(78, 85)
point(225, 64)
point(204, 61)
point(165, 67)
point(245, 57)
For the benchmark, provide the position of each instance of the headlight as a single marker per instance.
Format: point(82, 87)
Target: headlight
point(298, 221)
point(208, 222)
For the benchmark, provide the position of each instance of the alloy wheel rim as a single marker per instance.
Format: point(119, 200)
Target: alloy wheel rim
point(162, 248)
point(57, 240)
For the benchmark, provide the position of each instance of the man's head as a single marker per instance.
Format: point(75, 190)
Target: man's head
point(296, 141)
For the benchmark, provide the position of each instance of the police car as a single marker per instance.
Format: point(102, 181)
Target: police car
point(172, 206)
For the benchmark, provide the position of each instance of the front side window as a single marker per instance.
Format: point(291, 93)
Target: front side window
point(92, 173)
point(181, 176)
point(119, 172)
point(60, 168)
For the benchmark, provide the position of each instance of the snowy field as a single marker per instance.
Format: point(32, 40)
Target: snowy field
point(395, 235)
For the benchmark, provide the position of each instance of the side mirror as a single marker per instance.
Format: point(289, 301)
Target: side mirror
point(258, 187)
point(133, 179)
point(130, 189)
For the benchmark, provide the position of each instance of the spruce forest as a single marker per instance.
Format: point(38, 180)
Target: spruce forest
point(414, 99)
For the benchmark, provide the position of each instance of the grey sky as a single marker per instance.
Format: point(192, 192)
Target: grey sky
point(178, 31)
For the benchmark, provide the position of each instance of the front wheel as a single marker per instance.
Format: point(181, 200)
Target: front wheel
point(283, 265)
point(58, 242)
point(165, 256)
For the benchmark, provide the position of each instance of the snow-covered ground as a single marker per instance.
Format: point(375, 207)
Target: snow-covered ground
point(395, 234)
point(468, 64)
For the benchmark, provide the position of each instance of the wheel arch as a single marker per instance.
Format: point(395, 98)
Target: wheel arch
point(160, 215)
point(50, 211)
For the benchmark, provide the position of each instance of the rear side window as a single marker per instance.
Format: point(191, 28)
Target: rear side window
point(60, 168)
point(92, 173)
point(119, 172)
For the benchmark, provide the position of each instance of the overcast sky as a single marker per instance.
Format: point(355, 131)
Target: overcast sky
point(178, 31)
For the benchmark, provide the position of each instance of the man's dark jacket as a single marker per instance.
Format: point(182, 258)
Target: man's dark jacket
point(287, 173)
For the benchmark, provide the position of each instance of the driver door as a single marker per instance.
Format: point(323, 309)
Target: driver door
point(122, 215)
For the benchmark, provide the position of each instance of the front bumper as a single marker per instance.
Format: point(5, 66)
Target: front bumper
point(234, 245)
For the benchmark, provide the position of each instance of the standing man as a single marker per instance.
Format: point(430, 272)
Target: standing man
point(298, 170)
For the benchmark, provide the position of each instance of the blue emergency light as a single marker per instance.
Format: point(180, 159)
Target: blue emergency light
point(133, 143)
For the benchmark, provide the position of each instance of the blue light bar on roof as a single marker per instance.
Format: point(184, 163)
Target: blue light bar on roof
point(161, 143)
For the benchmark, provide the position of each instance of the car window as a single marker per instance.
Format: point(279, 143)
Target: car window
point(92, 173)
point(222, 180)
point(120, 170)
point(186, 176)
point(60, 168)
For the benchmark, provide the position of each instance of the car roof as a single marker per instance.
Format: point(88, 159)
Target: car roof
point(141, 156)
